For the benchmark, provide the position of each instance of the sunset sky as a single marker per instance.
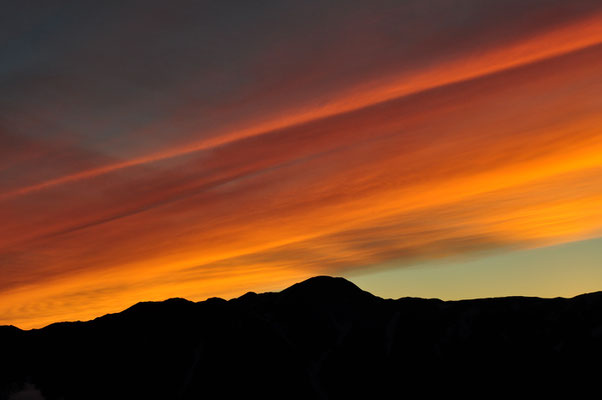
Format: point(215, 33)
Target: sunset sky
point(433, 148)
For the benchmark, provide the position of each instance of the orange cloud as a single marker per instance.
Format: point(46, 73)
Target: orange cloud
point(553, 43)
point(496, 149)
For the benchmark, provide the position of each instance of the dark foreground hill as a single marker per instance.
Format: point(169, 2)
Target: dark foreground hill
point(323, 338)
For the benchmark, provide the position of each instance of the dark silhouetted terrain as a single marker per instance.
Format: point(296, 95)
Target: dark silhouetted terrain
point(323, 338)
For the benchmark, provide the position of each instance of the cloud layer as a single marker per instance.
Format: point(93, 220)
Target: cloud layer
point(149, 152)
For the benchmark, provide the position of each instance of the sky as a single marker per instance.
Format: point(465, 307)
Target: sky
point(440, 148)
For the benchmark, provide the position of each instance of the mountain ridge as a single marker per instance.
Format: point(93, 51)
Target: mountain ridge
point(299, 285)
point(320, 338)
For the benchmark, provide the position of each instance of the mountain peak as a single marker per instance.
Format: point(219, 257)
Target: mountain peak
point(320, 288)
point(325, 281)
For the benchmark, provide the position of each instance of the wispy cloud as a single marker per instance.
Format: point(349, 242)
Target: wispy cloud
point(225, 157)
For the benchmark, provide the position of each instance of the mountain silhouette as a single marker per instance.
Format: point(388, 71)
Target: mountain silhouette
point(323, 338)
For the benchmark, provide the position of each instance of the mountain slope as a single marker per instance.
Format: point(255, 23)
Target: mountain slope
point(321, 338)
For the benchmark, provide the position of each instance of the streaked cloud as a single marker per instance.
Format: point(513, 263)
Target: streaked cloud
point(198, 160)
